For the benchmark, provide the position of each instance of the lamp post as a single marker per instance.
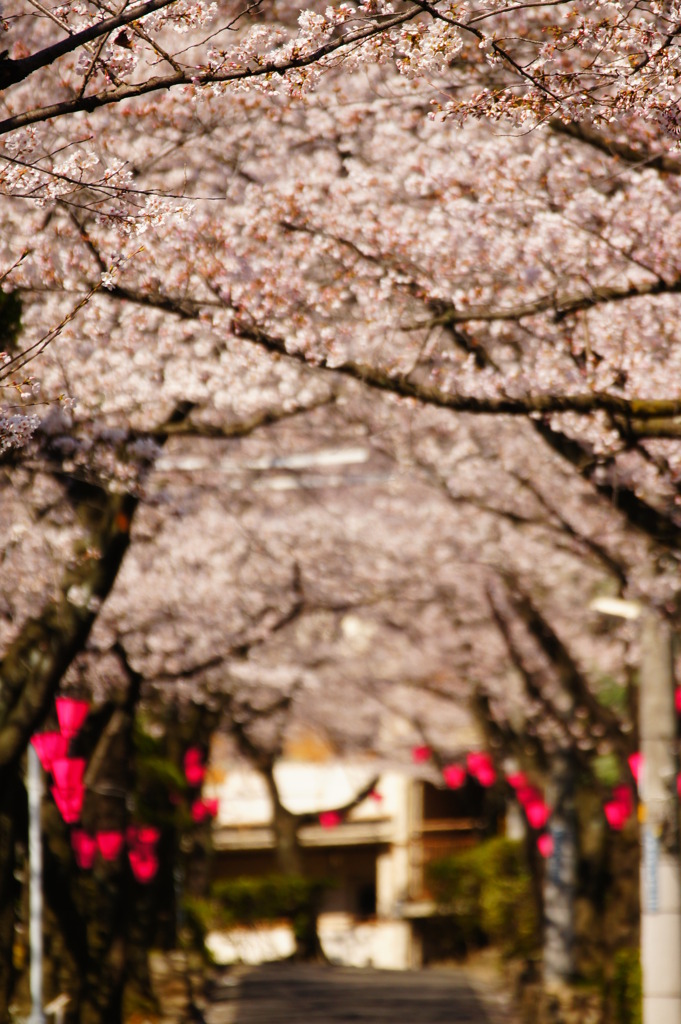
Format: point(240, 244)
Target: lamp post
point(34, 785)
point(660, 878)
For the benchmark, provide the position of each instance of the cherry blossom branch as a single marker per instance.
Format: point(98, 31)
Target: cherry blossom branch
point(639, 158)
point(560, 306)
point(191, 76)
point(14, 71)
point(632, 410)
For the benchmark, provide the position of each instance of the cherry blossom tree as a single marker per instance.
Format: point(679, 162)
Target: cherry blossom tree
point(215, 216)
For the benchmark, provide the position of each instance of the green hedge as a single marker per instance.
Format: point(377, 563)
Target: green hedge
point(627, 987)
point(488, 893)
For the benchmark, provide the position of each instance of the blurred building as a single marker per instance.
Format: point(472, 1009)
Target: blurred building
point(377, 853)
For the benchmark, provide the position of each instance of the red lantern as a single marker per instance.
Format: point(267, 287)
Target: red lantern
point(49, 746)
point(69, 802)
point(330, 819)
point(528, 794)
point(68, 772)
point(420, 754)
point(538, 813)
point(194, 774)
point(623, 795)
point(147, 835)
point(84, 847)
point(199, 811)
point(635, 762)
point(109, 844)
point(212, 806)
point(194, 770)
point(481, 767)
point(144, 864)
point(454, 775)
point(71, 714)
point(518, 780)
point(616, 814)
point(545, 844)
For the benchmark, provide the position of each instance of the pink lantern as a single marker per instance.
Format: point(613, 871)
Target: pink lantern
point(194, 770)
point(330, 819)
point(635, 762)
point(71, 714)
point(623, 795)
point(69, 802)
point(199, 811)
point(146, 835)
point(545, 844)
point(518, 780)
point(68, 772)
point(480, 765)
point(144, 864)
point(616, 814)
point(486, 775)
point(109, 844)
point(454, 775)
point(528, 794)
point(49, 746)
point(420, 754)
point(677, 699)
point(84, 847)
point(212, 806)
point(678, 784)
point(538, 813)
point(194, 774)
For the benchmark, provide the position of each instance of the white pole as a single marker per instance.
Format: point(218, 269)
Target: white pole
point(660, 877)
point(35, 861)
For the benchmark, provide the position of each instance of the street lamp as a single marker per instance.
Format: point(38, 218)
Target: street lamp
point(660, 878)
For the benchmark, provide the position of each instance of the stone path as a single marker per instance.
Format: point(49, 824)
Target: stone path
point(311, 994)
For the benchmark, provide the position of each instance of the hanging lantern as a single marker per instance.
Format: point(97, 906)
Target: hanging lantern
point(330, 819)
point(194, 774)
point(199, 811)
point(71, 714)
point(538, 813)
point(616, 814)
point(147, 835)
point(545, 844)
point(69, 802)
point(635, 762)
point(85, 848)
point(420, 754)
point(49, 746)
point(528, 794)
point(623, 795)
point(212, 806)
point(518, 780)
point(144, 864)
point(109, 844)
point(68, 772)
point(481, 767)
point(454, 775)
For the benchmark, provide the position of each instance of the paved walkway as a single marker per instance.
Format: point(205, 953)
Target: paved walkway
point(310, 994)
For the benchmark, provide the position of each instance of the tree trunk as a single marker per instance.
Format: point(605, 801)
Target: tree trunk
point(560, 880)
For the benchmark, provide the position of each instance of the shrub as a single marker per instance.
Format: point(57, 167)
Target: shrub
point(488, 892)
point(627, 988)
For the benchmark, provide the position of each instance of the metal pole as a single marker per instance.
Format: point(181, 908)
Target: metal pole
point(35, 861)
point(660, 876)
